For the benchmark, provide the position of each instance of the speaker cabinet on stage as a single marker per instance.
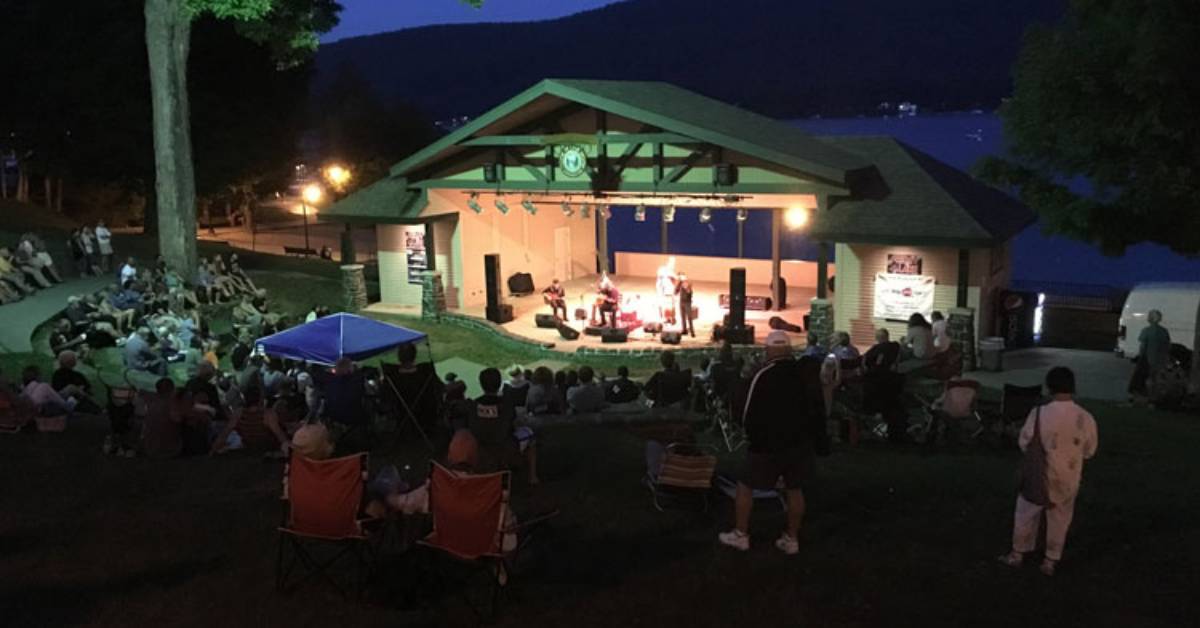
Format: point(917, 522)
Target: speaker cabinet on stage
point(737, 297)
point(497, 311)
point(614, 334)
point(671, 337)
point(520, 284)
point(739, 334)
point(546, 321)
point(566, 331)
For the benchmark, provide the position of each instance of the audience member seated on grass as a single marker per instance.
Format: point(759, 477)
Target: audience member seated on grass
point(241, 351)
point(31, 272)
point(622, 389)
point(273, 378)
point(884, 355)
point(15, 410)
point(669, 386)
point(140, 356)
point(64, 338)
point(106, 305)
point(206, 285)
point(493, 424)
point(250, 380)
point(11, 275)
point(543, 397)
point(843, 349)
point(73, 385)
point(587, 395)
point(516, 389)
point(46, 401)
point(129, 271)
point(32, 251)
point(918, 340)
point(85, 318)
point(344, 391)
point(203, 383)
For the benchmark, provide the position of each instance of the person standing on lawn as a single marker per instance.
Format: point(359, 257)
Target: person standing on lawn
point(104, 243)
point(1068, 436)
point(785, 422)
point(1154, 350)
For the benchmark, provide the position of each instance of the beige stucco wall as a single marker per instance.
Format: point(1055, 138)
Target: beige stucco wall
point(393, 265)
point(797, 274)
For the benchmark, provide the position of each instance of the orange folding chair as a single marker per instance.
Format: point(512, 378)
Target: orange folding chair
point(472, 526)
point(323, 506)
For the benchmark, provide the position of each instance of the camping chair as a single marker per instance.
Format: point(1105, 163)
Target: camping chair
point(722, 417)
point(957, 403)
point(684, 470)
point(323, 502)
point(471, 521)
point(417, 392)
point(1016, 402)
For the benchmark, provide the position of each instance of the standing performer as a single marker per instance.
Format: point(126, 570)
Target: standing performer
point(556, 297)
point(607, 302)
point(665, 286)
point(683, 289)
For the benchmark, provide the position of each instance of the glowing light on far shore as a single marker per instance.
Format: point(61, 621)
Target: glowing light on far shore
point(796, 217)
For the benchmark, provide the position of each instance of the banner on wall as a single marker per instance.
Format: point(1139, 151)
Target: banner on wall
point(414, 249)
point(897, 296)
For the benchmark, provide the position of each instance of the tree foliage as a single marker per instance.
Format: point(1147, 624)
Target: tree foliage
point(1109, 96)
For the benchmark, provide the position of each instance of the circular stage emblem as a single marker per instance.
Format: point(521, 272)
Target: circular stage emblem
point(573, 161)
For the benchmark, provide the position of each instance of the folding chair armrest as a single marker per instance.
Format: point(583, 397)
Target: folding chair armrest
point(528, 523)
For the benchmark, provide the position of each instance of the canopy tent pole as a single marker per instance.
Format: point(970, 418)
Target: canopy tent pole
point(776, 256)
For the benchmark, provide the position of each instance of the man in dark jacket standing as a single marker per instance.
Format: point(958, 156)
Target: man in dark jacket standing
point(784, 419)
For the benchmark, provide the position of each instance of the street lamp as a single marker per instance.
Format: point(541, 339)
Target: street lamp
point(338, 177)
point(310, 195)
point(796, 217)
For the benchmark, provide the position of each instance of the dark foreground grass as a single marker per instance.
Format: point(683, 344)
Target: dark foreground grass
point(893, 538)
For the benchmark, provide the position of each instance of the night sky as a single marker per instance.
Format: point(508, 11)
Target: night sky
point(365, 17)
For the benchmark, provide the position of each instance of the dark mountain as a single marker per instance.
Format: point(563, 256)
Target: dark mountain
point(779, 57)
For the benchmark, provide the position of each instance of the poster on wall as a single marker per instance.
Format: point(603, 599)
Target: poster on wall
point(904, 264)
point(897, 296)
point(414, 249)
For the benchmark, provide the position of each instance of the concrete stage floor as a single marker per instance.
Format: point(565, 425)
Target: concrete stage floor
point(582, 293)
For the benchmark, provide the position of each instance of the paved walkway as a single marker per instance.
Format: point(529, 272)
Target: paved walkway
point(1098, 374)
point(18, 320)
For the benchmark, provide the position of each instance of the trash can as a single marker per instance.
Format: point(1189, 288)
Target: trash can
point(991, 353)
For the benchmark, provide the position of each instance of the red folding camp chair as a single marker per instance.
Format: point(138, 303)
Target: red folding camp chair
point(470, 524)
point(323, 505)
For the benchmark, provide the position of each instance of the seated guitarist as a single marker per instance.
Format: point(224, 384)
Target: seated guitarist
point(556, 297)
point(607, 302)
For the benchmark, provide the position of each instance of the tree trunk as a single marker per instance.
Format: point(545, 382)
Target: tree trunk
point(58, 195)
point(22, 183)
point(247, 206)
point(168, 33)
point(48, 189)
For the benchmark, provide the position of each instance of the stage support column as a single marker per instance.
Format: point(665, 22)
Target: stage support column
point(601, 240)
point(664, 232)
point(776, 256)
point(822, 270)
point(964, 272)
point(741, 238)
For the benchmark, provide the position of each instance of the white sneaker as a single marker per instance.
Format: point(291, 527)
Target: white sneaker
point(736, 539)
point(787, 544)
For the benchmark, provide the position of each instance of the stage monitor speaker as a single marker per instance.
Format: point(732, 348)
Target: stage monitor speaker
point(671, 337)
point(737, 297)
point(546, 321)
point(739, 334)
point(493, 172)
point(593, 330)
point(520, 284)
point(614, 334)
point(566, 331)
point(724, 174)
point(500, 314)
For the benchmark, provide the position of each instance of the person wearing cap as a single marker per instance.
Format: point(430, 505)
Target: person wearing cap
point(783, 413)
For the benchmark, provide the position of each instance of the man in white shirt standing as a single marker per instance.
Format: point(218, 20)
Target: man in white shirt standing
point(1068, 437)
point(104, 242)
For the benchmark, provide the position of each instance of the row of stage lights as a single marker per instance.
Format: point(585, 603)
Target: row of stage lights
point(795, 217)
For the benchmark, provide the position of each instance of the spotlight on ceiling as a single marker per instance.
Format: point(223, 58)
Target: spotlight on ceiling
point(796, 217)
point(639, 213)
point(585, 211)
point(567, 211)
point(669, 213)
point(529, 207)
point(501, 205)
point(705, 216)
point(473, 203)
point(606, 212)
point(743, 214)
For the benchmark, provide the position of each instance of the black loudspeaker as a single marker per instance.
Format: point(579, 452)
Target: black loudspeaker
point(737, 297)
point(520, 284)
point(724, 174)
point(593, 330)
point(500, 314)
point(546, 321)
point(652, 328)
point(614, 334)
point(493, 173)
point(739, 334)
point(671, 337)
point(566, 331)
point(496, 310)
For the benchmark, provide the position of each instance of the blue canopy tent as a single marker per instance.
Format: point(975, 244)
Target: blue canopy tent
point(330, 338)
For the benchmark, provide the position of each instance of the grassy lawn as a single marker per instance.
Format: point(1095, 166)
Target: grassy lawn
point(894, 537)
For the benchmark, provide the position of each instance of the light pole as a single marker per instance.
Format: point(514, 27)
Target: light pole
point(338, 177)
point(311, 194)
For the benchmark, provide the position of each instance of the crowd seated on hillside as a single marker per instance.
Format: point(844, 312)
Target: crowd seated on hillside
point(25, 268)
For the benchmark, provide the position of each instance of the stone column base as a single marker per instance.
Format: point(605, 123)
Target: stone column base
point(961, 328)
point(433, 295)
point(354, 288)
point(820, 320)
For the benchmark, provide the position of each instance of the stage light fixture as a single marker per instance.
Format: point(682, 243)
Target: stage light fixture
point(473, 203)
point(669, 213)
point(529, 207)
point(705, 216)
point(501, 205)
point(567, 210)
point(585, 211)
point(796, 217)
point(639, 213)
point(743, 214)
point(606, 212)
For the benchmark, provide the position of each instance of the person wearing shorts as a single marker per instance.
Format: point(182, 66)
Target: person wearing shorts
point(783, 416)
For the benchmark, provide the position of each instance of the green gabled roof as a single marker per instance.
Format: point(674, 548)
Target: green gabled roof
point(672, 109)
point(389, 199)
point(923, 201)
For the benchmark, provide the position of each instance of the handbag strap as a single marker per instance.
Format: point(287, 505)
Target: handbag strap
point(1037, 427)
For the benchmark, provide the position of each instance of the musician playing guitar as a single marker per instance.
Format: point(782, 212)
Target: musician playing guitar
point(556, 297)
point(683, 290)
point(665, 287)
point(608, 301)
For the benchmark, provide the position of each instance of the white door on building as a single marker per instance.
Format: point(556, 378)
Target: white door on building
point(562, 253)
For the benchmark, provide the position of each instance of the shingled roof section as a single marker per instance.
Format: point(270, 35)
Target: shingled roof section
point(388, 200)
point(925, 202)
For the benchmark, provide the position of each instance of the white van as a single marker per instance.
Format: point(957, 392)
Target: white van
point(1176, 301)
